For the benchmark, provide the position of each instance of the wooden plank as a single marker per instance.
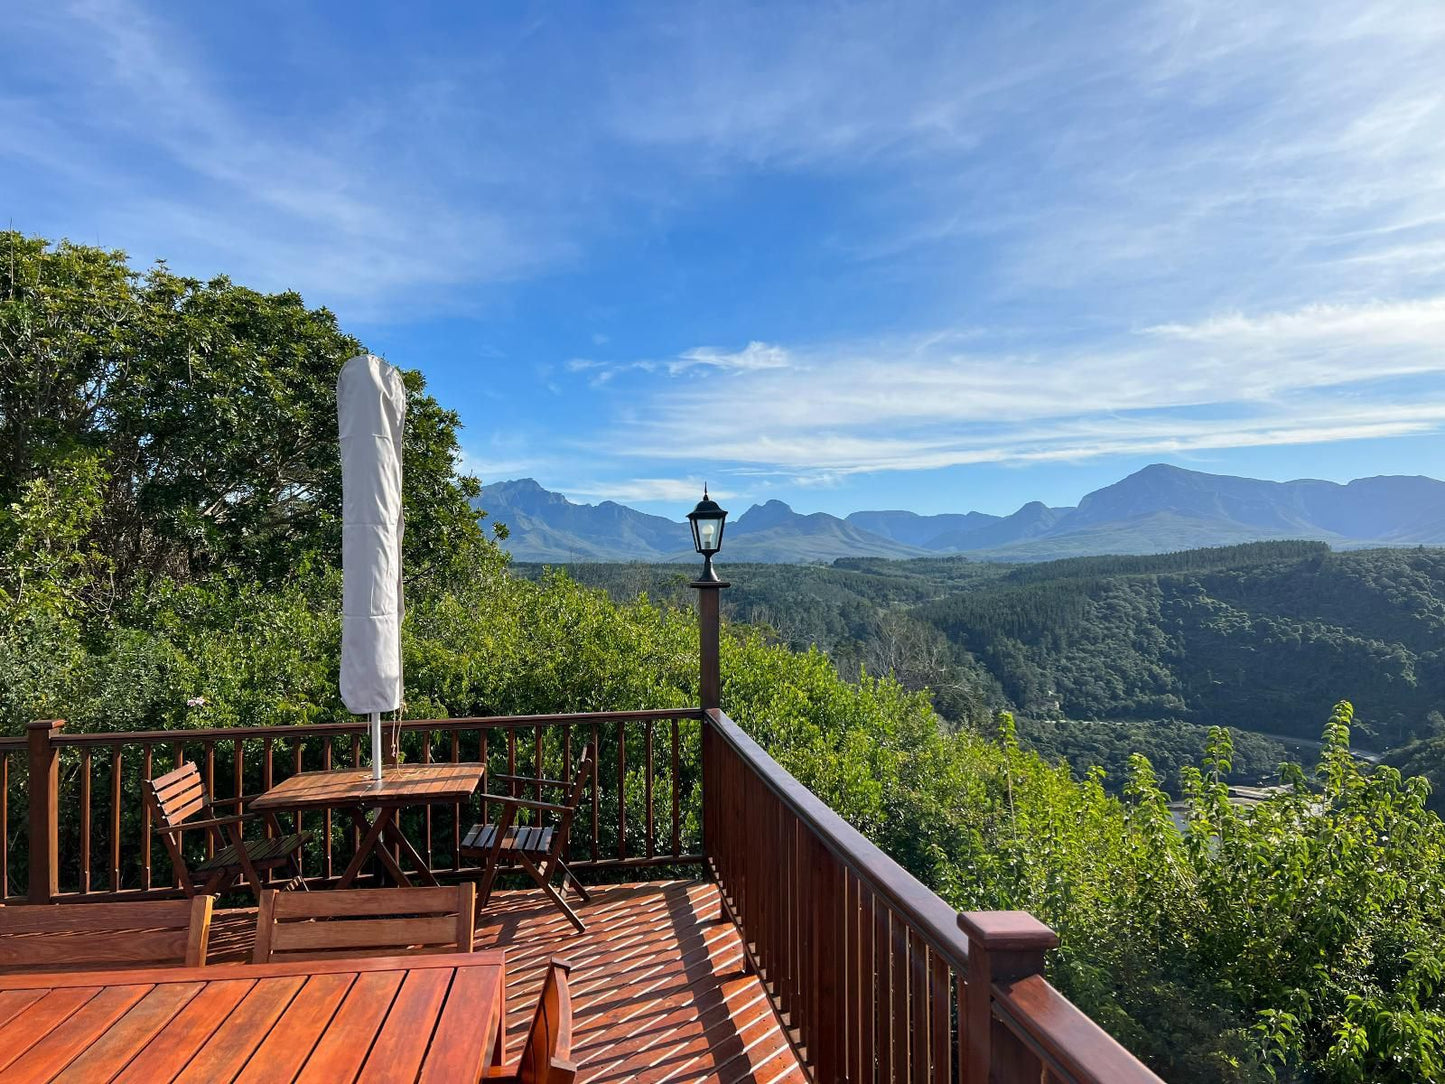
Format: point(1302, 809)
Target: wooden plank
point(28, 1027)
point(94, 949)
point(294, 1036)
point(54, 918)
point(70, 1039)
point(404, 784)
point(13, 1002)
point(368, 901)
point(231, 1045)
point(111, 1052)
point(84, 822)
point(363, 933)
point(342, 1050)
point(55, 980)
point(401, 1044)
point(178, 1041)
point(462, 1043)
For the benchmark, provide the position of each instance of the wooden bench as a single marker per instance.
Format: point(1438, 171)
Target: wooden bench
point(364, 922)
point(92, 936)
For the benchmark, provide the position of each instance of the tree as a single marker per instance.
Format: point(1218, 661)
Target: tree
point(210, 410)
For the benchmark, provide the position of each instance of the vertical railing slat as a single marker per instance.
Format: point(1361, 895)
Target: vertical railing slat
point(647, 789)
point(84, 821)
point(115, 767)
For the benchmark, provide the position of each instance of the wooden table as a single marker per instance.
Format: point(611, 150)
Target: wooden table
point(429, 1018)
point(354, 790)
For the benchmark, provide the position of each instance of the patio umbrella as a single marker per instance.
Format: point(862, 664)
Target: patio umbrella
point(370, 413)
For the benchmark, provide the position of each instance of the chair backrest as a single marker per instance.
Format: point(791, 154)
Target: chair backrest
point(574, 798)
point(547, 1057)
point(374, 921)
point(96, 936)
point(177, 794)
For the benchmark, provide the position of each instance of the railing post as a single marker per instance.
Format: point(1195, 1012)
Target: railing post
point(1002, 946)
point(708, 621)
point(44, 784)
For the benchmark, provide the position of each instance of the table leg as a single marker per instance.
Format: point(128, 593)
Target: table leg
point(372, 833)
point(395, 835)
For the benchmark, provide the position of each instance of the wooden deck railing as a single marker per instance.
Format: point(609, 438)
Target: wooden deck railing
point(87, 834)
point(877, 978)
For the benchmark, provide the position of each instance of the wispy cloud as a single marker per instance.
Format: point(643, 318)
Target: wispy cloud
point(679, 491)
point(754, 357)
point(132, 123)
point(1321, 373)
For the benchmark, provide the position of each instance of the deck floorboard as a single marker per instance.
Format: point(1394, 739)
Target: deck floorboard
point(659, 991)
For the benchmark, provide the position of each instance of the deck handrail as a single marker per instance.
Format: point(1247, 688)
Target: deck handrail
point(908, 895)
point(283, 730)
point(89, 834)
point(878, 977)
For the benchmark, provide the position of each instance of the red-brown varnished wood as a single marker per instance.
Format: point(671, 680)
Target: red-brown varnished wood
point(396, 1054)
point(38, 1020)
point(658, 987)
point(402, 785)
point(286, 1049)
point(228, 1049)
point(162, 1056)
point(104, 1059)
point(46, 1058)
point(342, 1050)
point(384, 1018)
point(466, 1038)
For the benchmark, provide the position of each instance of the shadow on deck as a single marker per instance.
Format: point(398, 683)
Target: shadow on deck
point(659, 990)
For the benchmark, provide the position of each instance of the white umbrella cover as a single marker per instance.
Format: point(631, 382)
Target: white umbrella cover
point(370, 412)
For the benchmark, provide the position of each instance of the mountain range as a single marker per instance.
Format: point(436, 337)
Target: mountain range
point(1158, 509)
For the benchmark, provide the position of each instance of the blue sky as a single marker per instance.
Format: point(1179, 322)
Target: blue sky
point(935, 256)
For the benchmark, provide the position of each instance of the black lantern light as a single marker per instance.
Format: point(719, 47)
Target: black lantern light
point(707, 531)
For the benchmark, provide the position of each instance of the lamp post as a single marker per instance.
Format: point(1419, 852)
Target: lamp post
point(707, 521)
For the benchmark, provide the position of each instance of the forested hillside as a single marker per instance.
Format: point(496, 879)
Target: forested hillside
point(1263, 637)
point(162, 566)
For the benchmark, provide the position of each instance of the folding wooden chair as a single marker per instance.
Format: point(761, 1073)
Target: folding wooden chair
point(364, 921)
point(547, 1057)
point(540, 851)
point(95, 936)
point(175, 796)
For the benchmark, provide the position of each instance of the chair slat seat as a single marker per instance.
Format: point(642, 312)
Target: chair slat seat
point(480, 838)
point(259, 851)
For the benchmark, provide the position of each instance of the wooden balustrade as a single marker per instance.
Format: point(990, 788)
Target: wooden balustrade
point(877, 978)
point(89, 834)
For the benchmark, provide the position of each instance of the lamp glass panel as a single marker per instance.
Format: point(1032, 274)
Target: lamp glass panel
point(707, 534)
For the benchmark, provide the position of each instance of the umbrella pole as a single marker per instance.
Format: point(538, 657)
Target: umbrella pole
point(376, 747)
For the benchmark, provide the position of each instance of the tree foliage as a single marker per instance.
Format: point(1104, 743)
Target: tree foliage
point(200, 415)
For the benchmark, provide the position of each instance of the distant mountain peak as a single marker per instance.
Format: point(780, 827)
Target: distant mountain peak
point(1158, 508)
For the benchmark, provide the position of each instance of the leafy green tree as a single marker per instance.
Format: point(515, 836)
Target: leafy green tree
point(211, 410)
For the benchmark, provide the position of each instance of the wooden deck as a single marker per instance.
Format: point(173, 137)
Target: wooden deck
point(659, 989)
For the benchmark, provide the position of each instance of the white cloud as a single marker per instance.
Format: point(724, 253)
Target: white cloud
point(1320, 373)
point(643, 490)
point(168, 162)
point(754, 356)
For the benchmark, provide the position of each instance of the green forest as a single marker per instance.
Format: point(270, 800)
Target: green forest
point(168, 559)
point(1093, 652)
